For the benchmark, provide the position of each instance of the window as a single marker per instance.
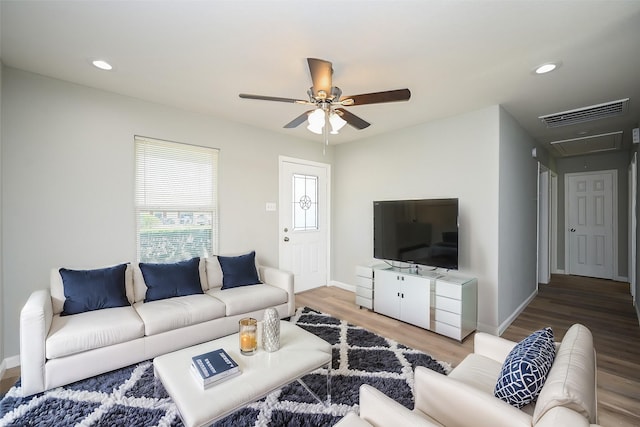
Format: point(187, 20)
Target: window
point(175, 201)
point(305, 202)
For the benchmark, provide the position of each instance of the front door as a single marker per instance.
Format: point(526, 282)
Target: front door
point(590, 223)
point(304, 221)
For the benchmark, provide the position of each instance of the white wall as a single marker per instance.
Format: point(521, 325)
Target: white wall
point(2, 323)
point(68, 173)
point(518, 190)
point(454, 157)
point(636, 148)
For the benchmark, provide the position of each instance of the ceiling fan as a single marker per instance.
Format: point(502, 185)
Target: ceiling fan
point(328, 102)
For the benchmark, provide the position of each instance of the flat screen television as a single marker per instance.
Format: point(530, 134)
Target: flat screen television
point(421, 232)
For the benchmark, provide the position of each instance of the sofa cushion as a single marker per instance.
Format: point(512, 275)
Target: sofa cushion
point(171, 279)
point(92, 329)
point(479, 372)
point(239, 270)
point(56, 288)
point(245, 299)
point(173, 313)
point(214, 273)
point(525, 369)
point(87, 290)
point(571, 382)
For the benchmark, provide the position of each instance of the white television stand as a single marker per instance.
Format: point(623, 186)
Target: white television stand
point(445, 303)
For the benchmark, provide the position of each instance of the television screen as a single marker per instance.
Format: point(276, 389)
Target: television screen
point(421, 232)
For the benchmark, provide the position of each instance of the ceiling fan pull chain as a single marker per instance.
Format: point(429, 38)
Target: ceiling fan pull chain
point(325, 131)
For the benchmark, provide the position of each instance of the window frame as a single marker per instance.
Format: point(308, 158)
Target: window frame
point(152, 198)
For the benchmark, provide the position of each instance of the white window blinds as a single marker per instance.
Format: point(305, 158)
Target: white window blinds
point(176, 200)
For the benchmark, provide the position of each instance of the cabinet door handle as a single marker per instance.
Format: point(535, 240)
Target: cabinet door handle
point(402, 296)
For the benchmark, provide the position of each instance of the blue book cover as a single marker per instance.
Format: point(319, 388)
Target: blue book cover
point(214, 364)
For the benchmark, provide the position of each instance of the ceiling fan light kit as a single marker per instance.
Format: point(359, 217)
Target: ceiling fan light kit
point(328, 102)
point(316, 121)
point(337, 122)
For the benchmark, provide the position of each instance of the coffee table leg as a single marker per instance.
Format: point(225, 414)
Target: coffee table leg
point(329, 383)
point(312, 393)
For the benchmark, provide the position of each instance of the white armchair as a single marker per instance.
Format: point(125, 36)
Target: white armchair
point(465, 396)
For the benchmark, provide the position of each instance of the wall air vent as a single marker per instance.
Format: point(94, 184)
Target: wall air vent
point(586, 114)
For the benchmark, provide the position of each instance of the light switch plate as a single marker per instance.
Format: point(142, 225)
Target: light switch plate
point(271, 206)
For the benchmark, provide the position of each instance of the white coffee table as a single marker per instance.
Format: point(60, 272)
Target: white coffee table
point(300, 353)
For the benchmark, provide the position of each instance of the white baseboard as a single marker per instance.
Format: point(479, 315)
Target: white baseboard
point(345, 286)
point(504, 325)
point(616, 278)
point(8, 363)
point(12, 361)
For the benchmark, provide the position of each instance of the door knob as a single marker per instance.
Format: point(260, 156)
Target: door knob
point(286, 239)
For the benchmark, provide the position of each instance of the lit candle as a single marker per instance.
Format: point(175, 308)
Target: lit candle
point(247, 341)
point(248, 335)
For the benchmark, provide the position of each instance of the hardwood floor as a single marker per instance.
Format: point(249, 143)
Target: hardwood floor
point(601, 305)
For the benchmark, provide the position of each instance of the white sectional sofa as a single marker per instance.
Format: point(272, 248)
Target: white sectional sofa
point(57, 349)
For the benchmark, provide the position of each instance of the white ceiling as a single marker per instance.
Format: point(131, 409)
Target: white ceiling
point(454, 56)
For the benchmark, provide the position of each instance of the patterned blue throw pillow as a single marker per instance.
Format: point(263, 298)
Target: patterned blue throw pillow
point(525, 369)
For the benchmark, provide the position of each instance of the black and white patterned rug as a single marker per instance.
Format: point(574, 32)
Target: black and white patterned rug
point(130, 396)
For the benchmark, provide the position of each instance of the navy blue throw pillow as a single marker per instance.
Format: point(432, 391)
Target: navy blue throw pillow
point(525, 369)
point(238, 270)
point(171, 280)
point(87, 290)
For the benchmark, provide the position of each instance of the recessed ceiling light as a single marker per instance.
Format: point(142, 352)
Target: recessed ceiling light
point(102, 64)
point(546, 68)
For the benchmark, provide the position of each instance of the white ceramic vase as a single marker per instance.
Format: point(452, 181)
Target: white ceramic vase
point(271, 330)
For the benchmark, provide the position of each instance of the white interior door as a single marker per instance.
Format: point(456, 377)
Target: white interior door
point(304, 222)
point(590, 223)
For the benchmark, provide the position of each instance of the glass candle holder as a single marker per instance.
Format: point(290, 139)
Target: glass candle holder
point(248, 335)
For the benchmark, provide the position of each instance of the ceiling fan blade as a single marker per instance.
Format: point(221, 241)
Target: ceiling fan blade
point(352, 119)
point(379, 97)
point(298, 120)
point(321, 72)
point(273, 98)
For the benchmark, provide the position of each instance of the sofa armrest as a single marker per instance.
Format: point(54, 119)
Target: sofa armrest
point(281, 279)
point(352, 420)
point(493, 347)
point(436, 393)
point(379, 410)
point(561, 416)
point(35, 321)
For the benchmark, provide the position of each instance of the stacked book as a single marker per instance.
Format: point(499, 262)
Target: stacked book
point(212, 367)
